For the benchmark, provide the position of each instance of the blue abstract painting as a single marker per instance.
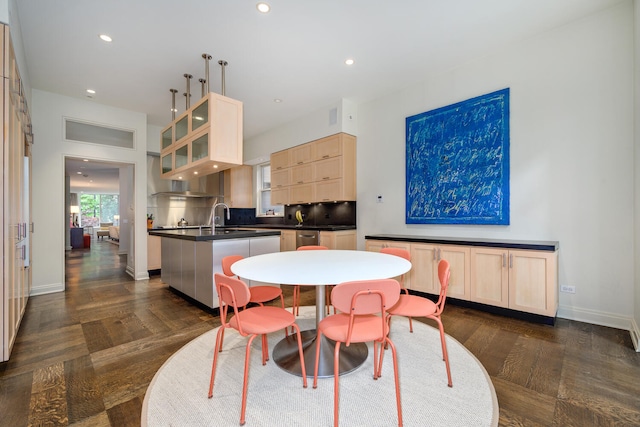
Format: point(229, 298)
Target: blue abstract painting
point(458, 163)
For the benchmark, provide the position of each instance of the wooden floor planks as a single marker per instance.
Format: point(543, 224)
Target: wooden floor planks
point(86, 356)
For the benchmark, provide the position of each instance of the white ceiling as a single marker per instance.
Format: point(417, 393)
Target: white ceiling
point(295, 53)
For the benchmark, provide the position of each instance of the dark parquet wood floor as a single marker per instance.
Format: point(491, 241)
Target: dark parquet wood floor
point(86, 356)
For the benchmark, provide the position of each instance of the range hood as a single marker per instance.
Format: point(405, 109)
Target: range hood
point(208, 186)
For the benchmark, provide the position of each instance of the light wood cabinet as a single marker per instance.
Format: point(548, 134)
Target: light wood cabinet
point(154, 252)
point(280, 178)
point(287, 240)
point(16, 184)
point(302, 193)
point(521, 280)
point(205, 139)
point(303, 174)
point(280, 196)
point(344, 239)
point(301, 154)
point(238, 187)
point(280, 160)
point(329, 164)
point(490, 276)
point(517, 279)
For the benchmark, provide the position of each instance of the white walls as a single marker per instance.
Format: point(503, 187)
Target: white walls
point(572, 155)
point(48, 177)
point(338, 117)
point(571, 149)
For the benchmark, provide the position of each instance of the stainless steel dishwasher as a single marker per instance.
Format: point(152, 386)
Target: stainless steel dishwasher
point(307, 238)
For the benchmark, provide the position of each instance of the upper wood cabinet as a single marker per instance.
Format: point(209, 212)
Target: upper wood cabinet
point(328, 163)
point(302, 154)
point(280, 160)
point(238, 187)
point(205, 139)
point(280, 178)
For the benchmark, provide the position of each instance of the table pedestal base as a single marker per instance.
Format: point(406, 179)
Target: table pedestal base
point(285, 354)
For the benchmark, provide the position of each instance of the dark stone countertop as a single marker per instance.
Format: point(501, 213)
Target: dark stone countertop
point(461, 241)
point(205, 234)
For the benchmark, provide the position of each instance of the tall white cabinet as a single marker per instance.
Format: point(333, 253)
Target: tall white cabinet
point(16, 188)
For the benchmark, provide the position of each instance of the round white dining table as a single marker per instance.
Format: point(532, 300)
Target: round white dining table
point(319, 268)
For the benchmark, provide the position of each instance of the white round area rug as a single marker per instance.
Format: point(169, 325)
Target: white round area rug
point(177, 395)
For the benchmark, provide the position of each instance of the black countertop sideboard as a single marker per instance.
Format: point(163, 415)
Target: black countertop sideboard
point(533, 245)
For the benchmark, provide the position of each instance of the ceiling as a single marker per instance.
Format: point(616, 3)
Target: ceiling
point(295, 53)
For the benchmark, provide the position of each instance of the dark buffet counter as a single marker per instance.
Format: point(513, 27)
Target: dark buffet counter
point(533, 245)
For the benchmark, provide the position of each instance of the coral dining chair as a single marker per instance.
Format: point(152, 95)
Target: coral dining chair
point(296, 288)
point(416, 306)
point(259, 294)
point(361, 317)
point(260, 320)
point(402, 253)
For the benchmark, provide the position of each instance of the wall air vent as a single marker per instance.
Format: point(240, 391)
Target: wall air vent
point(75, 130)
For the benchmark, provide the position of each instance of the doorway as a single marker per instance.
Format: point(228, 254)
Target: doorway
point(96, 193)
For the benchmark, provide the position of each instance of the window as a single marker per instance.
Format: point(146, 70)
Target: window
point(97, 208)
point(264, 192)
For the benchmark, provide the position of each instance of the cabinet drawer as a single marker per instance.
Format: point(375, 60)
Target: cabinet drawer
point(330, 146)
point(280, 178)
point(301, 193)
point(280, 160)
point(303, 174)
point(329, 169)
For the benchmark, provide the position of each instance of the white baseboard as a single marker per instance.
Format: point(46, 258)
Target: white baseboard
point(635, 335)
point(611, 320)
point(47, 289)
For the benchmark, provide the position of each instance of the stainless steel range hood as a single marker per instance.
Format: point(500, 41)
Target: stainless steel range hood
point(206, 186)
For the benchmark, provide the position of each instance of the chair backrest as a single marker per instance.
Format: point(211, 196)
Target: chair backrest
point(311, 248)
point(227, 262)
point(366, 297)
point(444, 273)
point(231, 291)
point(402, 253)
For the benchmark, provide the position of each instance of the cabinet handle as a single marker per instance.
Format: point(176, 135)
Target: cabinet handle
point(326, 177)
point(504, 260)
point(300, 163)
point(326, 156)
point(300, 182)
point(510, 260)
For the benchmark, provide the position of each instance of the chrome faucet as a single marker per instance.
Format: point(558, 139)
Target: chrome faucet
point(213, 215)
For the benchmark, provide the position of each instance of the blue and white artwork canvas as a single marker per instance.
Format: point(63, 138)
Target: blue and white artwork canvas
point(457, 163)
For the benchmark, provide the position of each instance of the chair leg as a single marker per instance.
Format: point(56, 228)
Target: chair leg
point(301, 353)
point(216, 349)
point(395, 372)
point(247, 358)
point(443, 343)
point(336, 383)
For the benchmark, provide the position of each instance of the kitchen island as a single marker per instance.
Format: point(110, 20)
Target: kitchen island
point(191, 256)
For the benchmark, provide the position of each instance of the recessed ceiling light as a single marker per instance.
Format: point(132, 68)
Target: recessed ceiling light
point(349, 61)
point(263, 7)
point(105, 38)
point(195, 172)
point(85, 160)
point(79, 173)
point(277, 100)
point(91, 91)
